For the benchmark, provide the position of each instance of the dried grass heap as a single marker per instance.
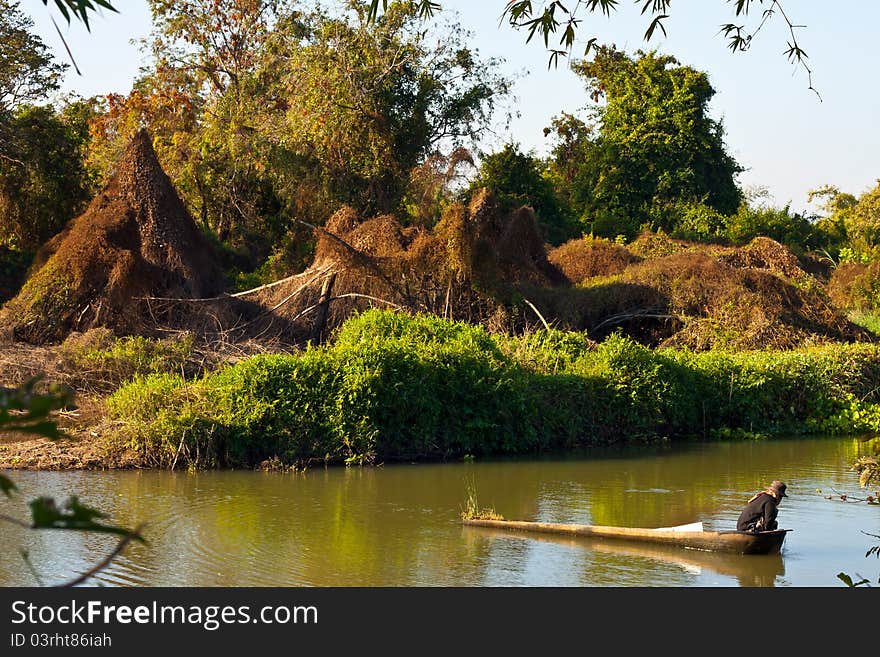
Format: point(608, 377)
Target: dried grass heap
point(697, 296)
point(467, 267)
point(484, 266)
point(136, 239)
point(585, 258)
point(856, 286)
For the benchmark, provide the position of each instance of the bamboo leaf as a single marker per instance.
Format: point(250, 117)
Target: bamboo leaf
point(47, 514)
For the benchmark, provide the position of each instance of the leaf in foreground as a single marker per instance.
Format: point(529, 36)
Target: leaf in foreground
point(846, 579)
point(73, 515)
point(6, 486)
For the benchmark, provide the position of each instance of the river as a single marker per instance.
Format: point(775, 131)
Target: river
point(399, 525)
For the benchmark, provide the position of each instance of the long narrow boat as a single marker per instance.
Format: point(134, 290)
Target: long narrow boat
point(748, 569)
point(686, 536)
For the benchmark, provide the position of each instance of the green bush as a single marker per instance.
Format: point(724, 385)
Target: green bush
point(394, 387)
point(14, 265)
point(794, 230)
point(519, 179)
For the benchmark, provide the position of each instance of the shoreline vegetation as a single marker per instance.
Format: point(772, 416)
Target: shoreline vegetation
point(398, 387)
point(201, 259)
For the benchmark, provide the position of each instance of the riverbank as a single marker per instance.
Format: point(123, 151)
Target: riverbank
point(87, 444)
point(93, 365)
point(395, 387)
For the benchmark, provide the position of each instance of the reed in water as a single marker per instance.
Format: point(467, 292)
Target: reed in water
point(472, 510)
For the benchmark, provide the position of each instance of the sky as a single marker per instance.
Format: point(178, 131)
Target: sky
point(789, 139)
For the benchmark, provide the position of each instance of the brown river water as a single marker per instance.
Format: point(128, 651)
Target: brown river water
point(399, 525)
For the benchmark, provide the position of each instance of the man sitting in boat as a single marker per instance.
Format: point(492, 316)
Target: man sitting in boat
point(760, 512)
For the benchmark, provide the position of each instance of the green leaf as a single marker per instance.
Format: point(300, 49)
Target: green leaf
point(47, 514)
point(846, 579)
point(6, 486)
point(81, 8)
point(373, 11)
point(657, 22)
point(23, 409)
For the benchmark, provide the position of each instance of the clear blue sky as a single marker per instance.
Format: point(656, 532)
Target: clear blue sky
point(789, 141)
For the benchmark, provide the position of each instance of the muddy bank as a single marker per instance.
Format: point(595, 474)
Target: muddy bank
point(76, 453)
point(85, 446)
point(92, 365)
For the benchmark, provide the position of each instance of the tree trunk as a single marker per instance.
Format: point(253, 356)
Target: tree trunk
point(318, 329)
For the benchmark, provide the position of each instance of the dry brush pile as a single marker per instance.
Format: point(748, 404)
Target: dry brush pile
point(678, 294)
point(136, 263)
point(135, 240)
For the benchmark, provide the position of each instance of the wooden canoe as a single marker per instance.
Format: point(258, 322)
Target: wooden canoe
point(714, 541)
point(749, 569)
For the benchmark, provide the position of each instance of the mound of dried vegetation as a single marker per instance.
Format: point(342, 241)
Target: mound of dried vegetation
point(136, 263)
point(135, 240)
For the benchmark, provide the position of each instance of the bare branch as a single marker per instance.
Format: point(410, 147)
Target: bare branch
point(106, 561)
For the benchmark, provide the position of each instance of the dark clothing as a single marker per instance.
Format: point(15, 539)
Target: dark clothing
point(759, 514)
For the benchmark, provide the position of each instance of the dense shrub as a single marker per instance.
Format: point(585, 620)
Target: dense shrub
point(394, 387)
point(794, 230)
point(13, 271)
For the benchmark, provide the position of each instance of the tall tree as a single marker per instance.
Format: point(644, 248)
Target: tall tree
point(855, 220)
point(365, 102)
point(27, 72)
point(262, 112)
point(217, 42)
point(42, 181)
point(191, 100)
point(648, 144)
point(46, 182)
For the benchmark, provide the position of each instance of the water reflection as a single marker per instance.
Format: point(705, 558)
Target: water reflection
point(400, 525)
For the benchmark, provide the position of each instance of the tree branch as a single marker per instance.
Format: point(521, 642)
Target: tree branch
point(106, 561)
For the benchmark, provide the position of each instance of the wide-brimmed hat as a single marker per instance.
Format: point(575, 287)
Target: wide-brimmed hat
point(778, 489)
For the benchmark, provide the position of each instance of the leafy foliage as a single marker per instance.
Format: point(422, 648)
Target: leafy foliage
point(26, 409)
point(649, 148)
point(291, 113)
point(44, 183)
point(394, 386)
point(563, 18)
point(99, 360)
point(794, 230)
point(846, 579)
point(6, 486)
point(80, 9)
point(368, 103)
point(48, 514)
point(28, 73)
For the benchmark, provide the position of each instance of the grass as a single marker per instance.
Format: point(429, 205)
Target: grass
point(867, 320)
point(472, 510)
point(395, 387)
point(100, 360)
